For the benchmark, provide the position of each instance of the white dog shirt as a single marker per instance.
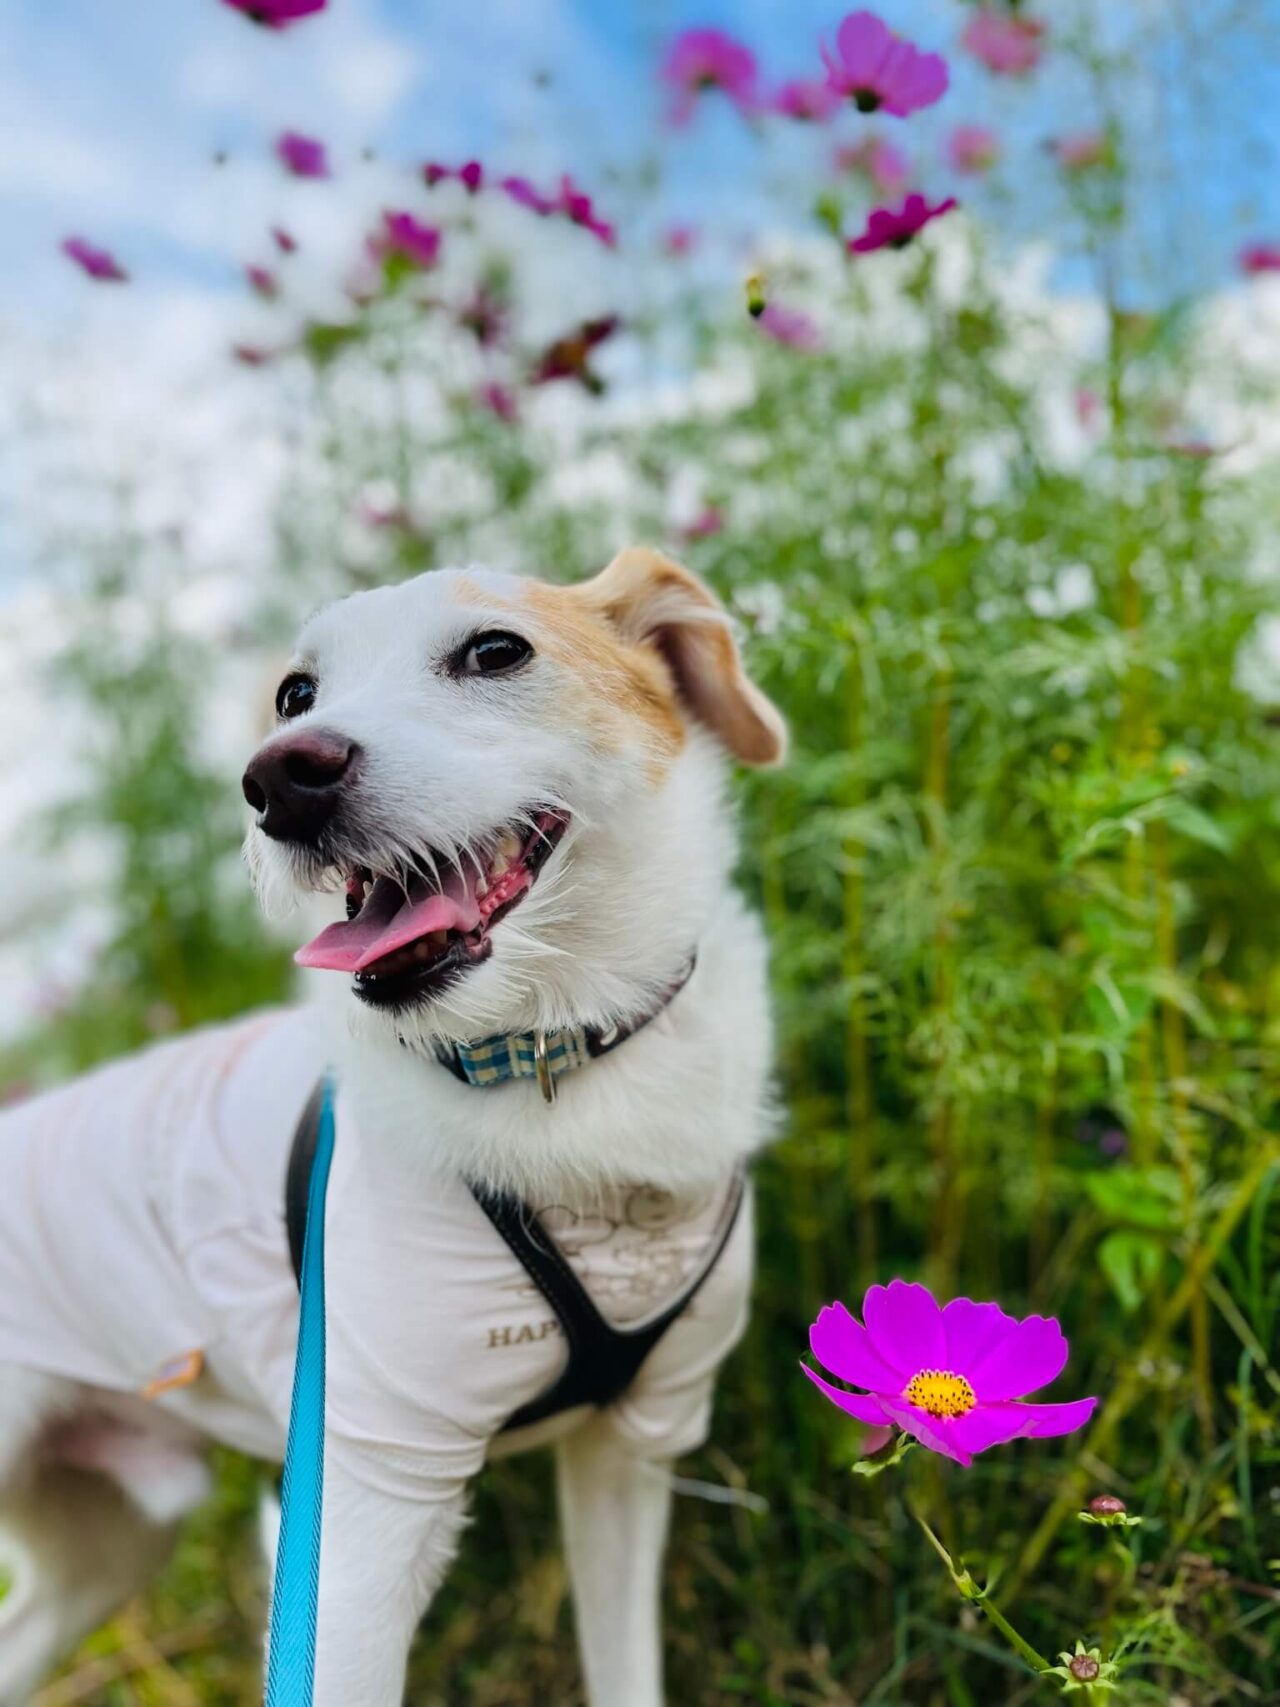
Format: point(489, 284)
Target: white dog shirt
point(141, 1224)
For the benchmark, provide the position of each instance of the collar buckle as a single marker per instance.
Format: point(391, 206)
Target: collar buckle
point(542, 1068)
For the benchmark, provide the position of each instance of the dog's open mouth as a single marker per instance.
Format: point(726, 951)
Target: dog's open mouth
point(404, 945)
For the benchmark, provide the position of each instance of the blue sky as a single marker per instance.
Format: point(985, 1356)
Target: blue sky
point(113, 109)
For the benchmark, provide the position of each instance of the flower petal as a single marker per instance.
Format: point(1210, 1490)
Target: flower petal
point(862, 39)
point(992, 1425)
point(1029, 1356)
point(905, 1325)
point(972, 1330)
point(989, 1425)
point(1045, 1421)
point(844, 1347)
point(860, 1405)
point(933, 1432)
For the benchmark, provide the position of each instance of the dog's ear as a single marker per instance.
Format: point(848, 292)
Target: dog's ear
point(652, 601)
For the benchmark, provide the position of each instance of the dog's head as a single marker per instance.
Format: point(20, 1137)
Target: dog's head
point(515, 786)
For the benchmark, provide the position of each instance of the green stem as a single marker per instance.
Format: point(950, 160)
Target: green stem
point(1132, 1384)
point(970, 1591)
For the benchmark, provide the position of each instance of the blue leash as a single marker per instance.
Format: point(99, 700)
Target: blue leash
point(291, 1661)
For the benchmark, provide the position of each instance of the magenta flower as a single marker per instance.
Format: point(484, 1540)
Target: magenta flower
point(277, 14)
point(893, 228)
point(1082, 150)
point(879, 162)
point(955, 1378)
point(679, 239)
point(284, 240)
point(577, 204)
point(878, 70)
point(698, 60)
point(499, 401)
point(99, 264)
point(808, 99)
point(973, 148)
point(470, 175)
point(790, 326)
point(407, 237)
point(303, 156)
point(1260, 257)
point(522, 192)
point(252, 355)
point(707, 522)
point(1088, 409)
point(1006, 42)
point(262, 282)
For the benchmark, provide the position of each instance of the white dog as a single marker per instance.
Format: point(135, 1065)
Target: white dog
point(555, 1000)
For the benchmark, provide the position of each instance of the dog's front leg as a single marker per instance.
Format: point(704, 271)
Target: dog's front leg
point(381, 1558)
point(614, 1507)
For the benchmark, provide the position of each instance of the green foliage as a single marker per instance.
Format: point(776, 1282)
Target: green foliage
point(1022, 882)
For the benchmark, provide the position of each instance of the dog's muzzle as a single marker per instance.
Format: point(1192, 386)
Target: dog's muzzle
point(295, 782)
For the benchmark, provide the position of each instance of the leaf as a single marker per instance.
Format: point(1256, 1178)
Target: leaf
point(324, 339)
point(1132, 1263)
point(1137, 1197)
point(884, 1460)
point(1196, 824)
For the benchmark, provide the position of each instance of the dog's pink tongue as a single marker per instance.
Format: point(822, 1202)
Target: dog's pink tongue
point(389, 919)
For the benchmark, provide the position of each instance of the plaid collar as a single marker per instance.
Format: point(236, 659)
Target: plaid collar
point(544, 1055)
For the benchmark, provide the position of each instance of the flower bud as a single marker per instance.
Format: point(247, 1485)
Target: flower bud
point(1106, 1505)
point(1084, 1668)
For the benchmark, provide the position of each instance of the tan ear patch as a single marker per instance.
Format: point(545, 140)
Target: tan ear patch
point(658, 606)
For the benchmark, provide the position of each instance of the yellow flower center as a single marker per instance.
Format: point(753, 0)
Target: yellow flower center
point(940, 1393)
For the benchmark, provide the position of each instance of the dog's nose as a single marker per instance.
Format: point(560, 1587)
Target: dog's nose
point(295, 782)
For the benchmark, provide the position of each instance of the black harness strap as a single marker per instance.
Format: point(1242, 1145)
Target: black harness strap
point(602, 1360)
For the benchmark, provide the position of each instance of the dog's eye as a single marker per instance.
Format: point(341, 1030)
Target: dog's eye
point(295, 695)
point(492, 652)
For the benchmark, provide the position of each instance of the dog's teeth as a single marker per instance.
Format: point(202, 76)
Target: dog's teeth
point(508, 849)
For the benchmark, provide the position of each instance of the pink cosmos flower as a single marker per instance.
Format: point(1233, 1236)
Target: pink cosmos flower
point(252, 355)
point(403, 235)
point(99, 264)
point(706, 523)
point(880, 162)
point(1081, 151)
point(1088, 407)
point(954, 1377)
point(679, 239)
point(277, 14)
point(284, 240)
point(470, 175)
point(808, 99)
point(973, 148)
point(790, 326)
point(698, 60)
point(303, 156)
point(577, 205)
point(262, 282)
point(893, 228)
point(522, 192)
point(878, 70)
point(499, 401)
point(1260, 257)
point(1007, 43)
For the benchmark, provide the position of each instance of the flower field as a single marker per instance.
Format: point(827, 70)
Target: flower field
point(992, 495)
